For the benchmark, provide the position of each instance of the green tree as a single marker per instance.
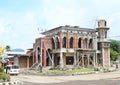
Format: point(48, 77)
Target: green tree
point(7, 48)
point(114, 50)
point(115, 45)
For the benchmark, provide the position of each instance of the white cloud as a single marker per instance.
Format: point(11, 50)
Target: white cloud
point(63, 13)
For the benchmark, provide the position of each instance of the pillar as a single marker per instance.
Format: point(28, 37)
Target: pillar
point(75, 59)
point(53, 60)
point(88, 57)
point(82, 60)
point(94, 59)
point(60, 41)
point(82, 45)
point(36, 55)
point(61, 60)
point(41, 56)
point(44, 63)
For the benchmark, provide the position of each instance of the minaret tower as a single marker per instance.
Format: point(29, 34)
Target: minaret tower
point(103, 43)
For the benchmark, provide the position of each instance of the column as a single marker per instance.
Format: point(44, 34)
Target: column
point(61, 60)
point(83, 60)
point(94, 59)
point(41, 52)
point(53, 60)
point(82, 45)
point(44, 62)
point(60, 41)
point(109, 56)
point(75, 60)
point(88, 57)
point(103, 57)
point(36, 55)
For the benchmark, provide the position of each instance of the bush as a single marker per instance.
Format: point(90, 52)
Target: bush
point(4, 77)
point(1, 69)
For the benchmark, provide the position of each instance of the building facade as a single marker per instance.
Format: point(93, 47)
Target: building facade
point(67, 46)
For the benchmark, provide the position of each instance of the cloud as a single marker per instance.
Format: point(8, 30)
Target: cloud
point(62, 13)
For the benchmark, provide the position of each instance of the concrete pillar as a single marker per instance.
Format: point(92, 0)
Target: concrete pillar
point(109, 56)
point(94, 59)
point(75, 58)
point(36, 55)
point(88, 43)
point(41, 56)
point(82, 60)
point(53, 60)
point(44, 62)
point(61, 60)
point(88, 57)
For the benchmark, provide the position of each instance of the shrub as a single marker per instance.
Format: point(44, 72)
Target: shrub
point(4, 77)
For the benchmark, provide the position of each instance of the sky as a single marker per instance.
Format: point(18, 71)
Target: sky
point(22, 20)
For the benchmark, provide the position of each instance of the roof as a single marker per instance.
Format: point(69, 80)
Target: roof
point(17, 51)
point(68, 27)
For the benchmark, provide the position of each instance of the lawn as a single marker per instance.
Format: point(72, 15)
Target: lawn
point(85, 70)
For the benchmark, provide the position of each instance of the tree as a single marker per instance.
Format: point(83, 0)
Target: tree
point(7, 48)
point(114, 50)
point(115, 45)
point(1, 52)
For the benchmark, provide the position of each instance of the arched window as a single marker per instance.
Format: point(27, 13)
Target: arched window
point(71, 42)
point(64, 42)
point(79, 43)
point(57, 42)
point(53, 43)
point(91, 43)
point(85, 43)
point(38, 54)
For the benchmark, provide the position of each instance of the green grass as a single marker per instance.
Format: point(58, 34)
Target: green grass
point(82, 70)
point(4, 77)
point(56, 71)
point(70, 71)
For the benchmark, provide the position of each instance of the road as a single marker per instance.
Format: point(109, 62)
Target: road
point(111, 78)
point(79, 82)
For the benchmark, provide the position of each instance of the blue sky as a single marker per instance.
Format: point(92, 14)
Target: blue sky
point(20, 19)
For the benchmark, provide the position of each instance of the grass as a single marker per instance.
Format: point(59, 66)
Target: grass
point(4, 77)
point(70, 71)
point(82, 70)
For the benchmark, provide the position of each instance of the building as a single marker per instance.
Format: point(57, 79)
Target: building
point(19, 57)
point(73, 46)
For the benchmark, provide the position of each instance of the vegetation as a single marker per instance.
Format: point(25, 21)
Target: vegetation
point(4, 76)
point(7, 48)
point(82, 70)
point(71, 71)
point(114, 50)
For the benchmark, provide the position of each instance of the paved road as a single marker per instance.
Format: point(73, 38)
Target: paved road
point(111, 78)
point(79, 82)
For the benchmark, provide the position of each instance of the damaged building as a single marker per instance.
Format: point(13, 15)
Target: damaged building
point(73, 46)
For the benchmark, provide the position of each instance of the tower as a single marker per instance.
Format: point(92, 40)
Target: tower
point(103, 43)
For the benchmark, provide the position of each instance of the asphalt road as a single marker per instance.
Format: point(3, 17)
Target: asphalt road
point(79, 82)
point(110, 78)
